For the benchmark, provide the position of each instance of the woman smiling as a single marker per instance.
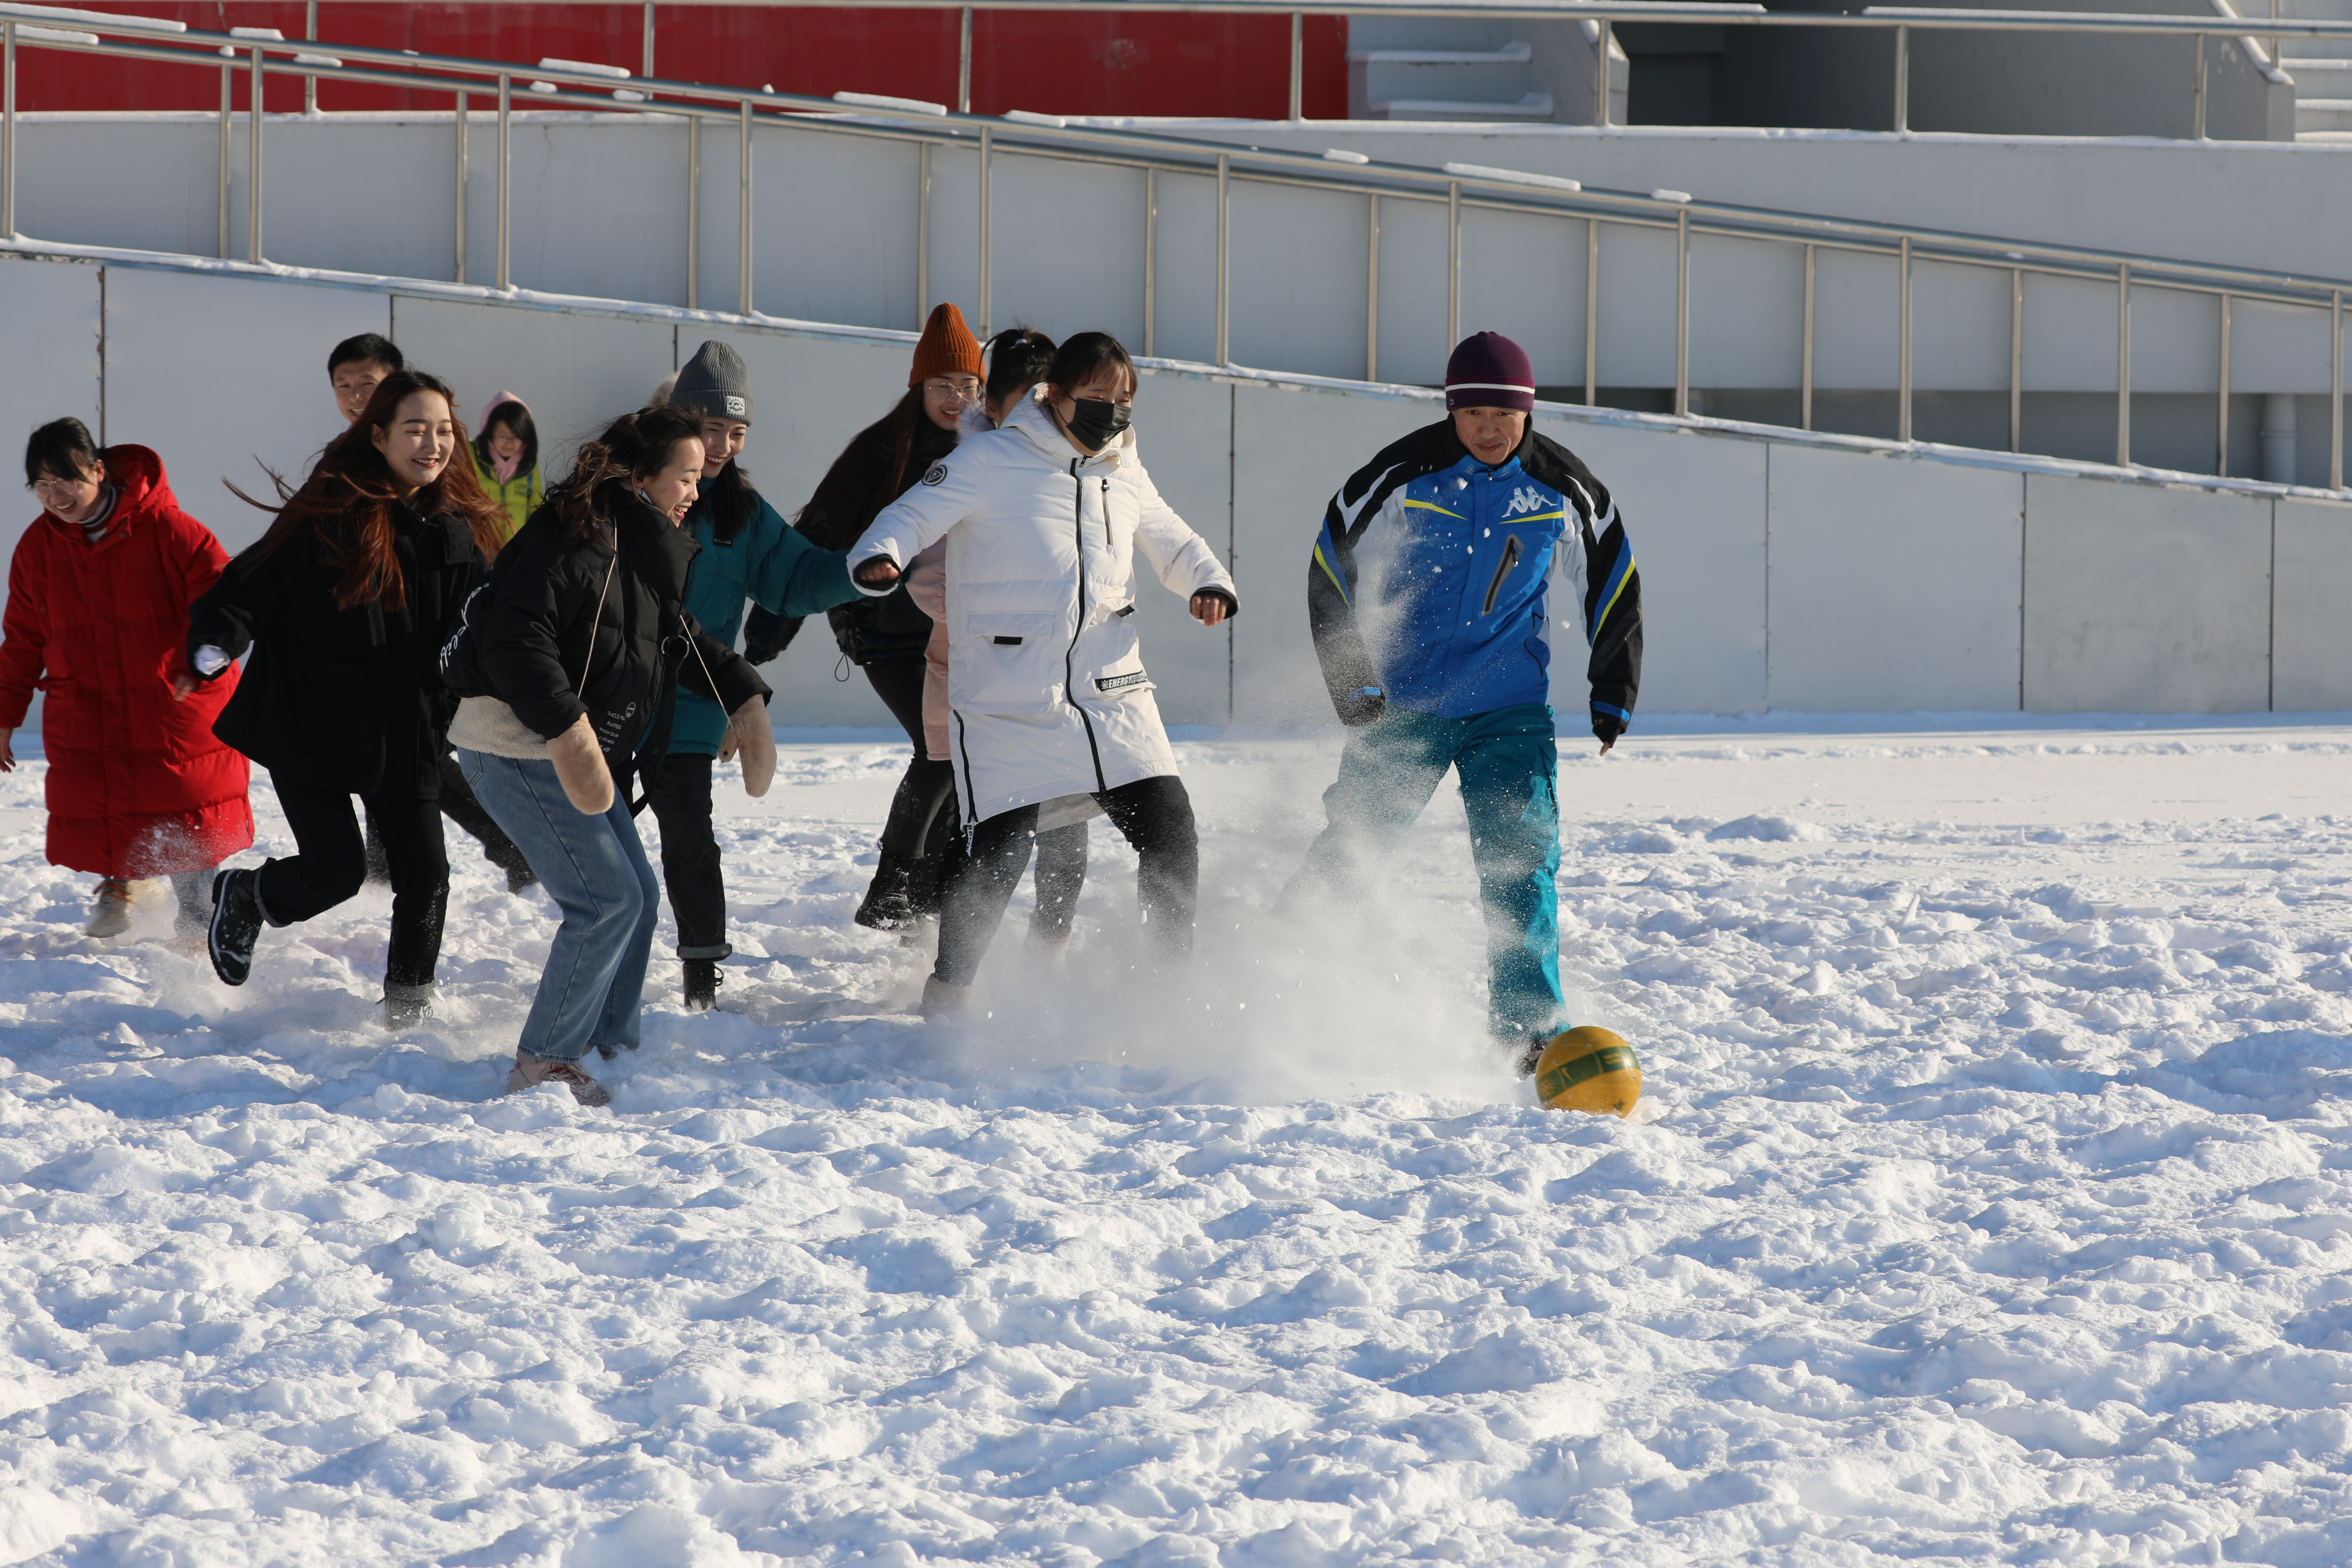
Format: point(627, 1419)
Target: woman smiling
point(345, 603)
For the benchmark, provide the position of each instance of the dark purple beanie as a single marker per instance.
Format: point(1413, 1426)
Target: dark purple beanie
point(1489, 371)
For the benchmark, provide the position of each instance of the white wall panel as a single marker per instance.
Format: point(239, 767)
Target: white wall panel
point(2176, 341)
point(2277, 348)
point(1184, 429)
point(2145, 598)
point(1523, 276)
point(49, 325)
point(1857, 305)
point(1895, 583)
point(1637, 307)
point(216, 372)
point(1694, 509)
point(1959, 328)
point(1743, 329)
point(1412, 294)
point(2070, 335)
point(2313, 640)
point(1300, 301)
point(1055, 270)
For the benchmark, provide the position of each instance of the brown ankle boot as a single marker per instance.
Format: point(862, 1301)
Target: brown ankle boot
point(530, 1071)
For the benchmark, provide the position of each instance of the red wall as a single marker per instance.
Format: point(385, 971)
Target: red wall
point(1053, 63)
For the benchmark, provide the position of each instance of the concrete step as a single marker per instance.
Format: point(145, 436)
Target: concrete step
point(1457, 76)
point(1534, 106)
point(1509, 54)
point(2324, 114)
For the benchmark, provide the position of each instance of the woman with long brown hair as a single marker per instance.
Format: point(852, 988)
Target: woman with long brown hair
point(346, 602)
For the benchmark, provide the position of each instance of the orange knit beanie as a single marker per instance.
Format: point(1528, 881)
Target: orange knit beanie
point(947, 347)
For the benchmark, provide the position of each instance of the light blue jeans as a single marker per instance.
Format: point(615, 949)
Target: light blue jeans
point(593, 989)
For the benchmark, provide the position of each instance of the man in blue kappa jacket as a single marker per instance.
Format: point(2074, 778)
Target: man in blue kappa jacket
point(1430, 592)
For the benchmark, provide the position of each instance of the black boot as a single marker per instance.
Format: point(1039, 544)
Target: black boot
point(236, 925)
point(890, 903)
point(701, 984)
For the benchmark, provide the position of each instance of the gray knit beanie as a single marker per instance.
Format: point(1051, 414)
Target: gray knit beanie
point(715, 384)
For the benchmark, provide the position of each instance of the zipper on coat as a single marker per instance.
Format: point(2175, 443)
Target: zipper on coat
point(1510, 559)
point(1069, 655)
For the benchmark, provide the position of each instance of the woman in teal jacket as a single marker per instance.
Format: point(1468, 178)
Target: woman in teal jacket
point(748, 552)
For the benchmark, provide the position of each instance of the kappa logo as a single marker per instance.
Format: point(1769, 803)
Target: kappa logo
point(1524, 499)
point(938, 476)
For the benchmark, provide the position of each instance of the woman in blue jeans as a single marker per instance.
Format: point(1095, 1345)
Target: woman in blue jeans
point(568, 657)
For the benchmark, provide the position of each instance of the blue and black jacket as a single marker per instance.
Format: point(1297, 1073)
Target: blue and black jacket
point(1430, 585)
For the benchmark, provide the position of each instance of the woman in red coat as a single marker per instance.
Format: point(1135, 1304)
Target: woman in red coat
point(99, 593)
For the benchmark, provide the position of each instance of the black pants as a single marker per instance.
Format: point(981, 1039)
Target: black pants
point(679, 789)
point(331, 863)
point(926, 786)
point(1153, 815)
point(1060, 878)
point(458, 805)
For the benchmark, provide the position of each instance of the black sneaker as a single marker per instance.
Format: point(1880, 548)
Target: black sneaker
point(890, 903)
point(236, 925)
point(702, 983)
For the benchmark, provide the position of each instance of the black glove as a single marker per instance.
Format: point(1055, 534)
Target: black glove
point(1607, 727)
point(767, 633)
point(1367, 706)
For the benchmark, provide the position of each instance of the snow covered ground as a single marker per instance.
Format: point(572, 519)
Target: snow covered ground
point(1990, 1204)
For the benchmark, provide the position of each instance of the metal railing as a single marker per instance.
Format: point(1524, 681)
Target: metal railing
point(1460, 188)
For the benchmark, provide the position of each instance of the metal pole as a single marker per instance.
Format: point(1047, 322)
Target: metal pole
point(1373, 295)
point(2198, 131)
point(1805, 387)
point(459, 121)
point(1902, 80)
point(253, 165)
point(2336, 390)
point(8, 129)
point(1453, 264)
point(647, 69)
point(1298, 66)
point(2222, 432)
point(1602, 46)
point(693, 212)
point(506, 147)
point(743, 211)
point(1682, 311)
point(963, 66)
point(987, 163)
point(1150, 261)
point(228, 82)
point(2123, 366)
point(2017, 359)
point(1903, 351)
point(1591, 310)
point(310, 34)
point(923, 235)
point(1224, 299)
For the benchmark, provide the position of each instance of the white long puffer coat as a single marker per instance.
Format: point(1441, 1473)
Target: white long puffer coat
point(1047, 686)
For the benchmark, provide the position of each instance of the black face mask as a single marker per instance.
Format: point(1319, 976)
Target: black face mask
point(1099, 420)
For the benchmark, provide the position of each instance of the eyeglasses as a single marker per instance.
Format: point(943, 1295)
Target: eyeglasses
point(49, 489)
point(964, 386)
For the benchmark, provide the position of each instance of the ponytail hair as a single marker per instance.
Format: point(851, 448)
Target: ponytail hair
point(631, 447)
point(1018, 358)
point(346, 503)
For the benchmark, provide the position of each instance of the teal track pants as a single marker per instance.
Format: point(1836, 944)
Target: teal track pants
point(1508, 766)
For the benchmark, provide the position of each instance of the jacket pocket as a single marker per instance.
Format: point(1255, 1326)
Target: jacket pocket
point(1110, 659)
point(1006, 663)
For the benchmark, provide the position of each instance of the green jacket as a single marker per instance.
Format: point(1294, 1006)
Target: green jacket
point(520, 496)
point(771, 561)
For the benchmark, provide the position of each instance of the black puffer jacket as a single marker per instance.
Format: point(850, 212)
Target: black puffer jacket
point(527, 636)
point(890, 626)
point(348, 700)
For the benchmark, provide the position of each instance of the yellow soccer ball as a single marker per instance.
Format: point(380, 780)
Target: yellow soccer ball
point(1589, 1069)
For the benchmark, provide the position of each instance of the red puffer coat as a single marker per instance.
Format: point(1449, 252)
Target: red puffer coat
point(138, 786)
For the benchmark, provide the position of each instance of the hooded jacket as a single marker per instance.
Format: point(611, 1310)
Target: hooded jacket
point(1048, 688)
point(767, 562)
point(1429, 585)
point(520, 496)
point(138, 785)
point(348, 700)
point(597, 625)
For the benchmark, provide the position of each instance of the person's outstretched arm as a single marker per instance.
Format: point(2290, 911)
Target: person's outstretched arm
point(1349, 674)
point(793, 576)
point(916, 521)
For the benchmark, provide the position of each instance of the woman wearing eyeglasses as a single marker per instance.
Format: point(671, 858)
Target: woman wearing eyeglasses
point(886, 635)
point(99, 593)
